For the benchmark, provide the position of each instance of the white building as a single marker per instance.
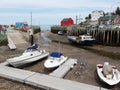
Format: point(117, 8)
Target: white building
point(96, 15)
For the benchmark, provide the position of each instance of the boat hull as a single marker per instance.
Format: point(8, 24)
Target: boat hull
point(87, 42)
point(52, 63)
point(73, 39)
point(27, 58)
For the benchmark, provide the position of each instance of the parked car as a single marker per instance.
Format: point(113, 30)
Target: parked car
point(116, 26)
point(102, 26)
point(105, 26)
point(60, 32)
point(1, 28)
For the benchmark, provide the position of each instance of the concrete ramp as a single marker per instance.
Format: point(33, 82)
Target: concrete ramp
point(11, 45)
point(16, 40)
point(63, 69)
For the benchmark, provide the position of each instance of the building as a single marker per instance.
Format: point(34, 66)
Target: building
point(21, 26)
point(111, 20)
point(96, 15)
point(67, 22)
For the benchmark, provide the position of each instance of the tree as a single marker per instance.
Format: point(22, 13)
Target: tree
point(117, 11)
point(89, 16)
point(86, 18)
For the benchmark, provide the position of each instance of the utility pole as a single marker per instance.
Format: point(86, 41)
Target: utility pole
point(31, 31)
point(78, 19)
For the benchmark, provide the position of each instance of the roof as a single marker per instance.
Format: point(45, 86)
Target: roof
point(66, 19)
point(98, 11)
point(108, 17)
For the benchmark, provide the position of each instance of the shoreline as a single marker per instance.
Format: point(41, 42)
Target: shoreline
point(83, 72)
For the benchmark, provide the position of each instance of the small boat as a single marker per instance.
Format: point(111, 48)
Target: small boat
point(56, 59)
point(112, 78)
point(31, 54)
point(82, 39)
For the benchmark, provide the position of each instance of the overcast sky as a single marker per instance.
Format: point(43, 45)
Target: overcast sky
point(50, 12)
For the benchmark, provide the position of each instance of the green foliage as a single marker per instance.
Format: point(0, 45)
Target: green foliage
point(88, 17)
point(3, 40)
point(117, 11)
point(55, 29)
point(36, 29)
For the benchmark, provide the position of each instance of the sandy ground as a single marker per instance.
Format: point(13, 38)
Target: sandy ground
point(84, 71)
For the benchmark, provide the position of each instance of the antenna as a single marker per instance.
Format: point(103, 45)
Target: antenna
point(31, 19)
point(78, 19)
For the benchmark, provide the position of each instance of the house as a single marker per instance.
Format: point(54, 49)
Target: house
point(67, 22)
point(96, 15)
point(111, 20)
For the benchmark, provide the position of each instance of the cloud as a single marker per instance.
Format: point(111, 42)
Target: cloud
point(50, 11)
point(55, 3)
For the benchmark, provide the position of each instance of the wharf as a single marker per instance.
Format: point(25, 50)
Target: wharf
point(47, 82)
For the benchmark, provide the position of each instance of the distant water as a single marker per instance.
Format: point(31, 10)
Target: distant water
point(45, 27)
point(45, 38)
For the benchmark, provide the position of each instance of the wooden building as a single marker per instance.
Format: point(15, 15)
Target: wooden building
point(67, 22)
point(111, 20)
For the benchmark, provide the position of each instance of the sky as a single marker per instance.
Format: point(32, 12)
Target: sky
point(51, 12)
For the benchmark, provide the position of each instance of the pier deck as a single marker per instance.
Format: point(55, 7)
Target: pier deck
point(63, 69)
point(43, 81)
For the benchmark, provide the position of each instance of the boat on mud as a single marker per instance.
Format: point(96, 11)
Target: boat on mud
point(31, 54)
point(108, 74)
point(55, 60)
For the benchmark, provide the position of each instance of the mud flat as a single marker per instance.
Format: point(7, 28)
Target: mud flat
point(84, 71)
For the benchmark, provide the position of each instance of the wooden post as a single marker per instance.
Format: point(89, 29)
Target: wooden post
point(104, 37)
point(114, 37)
point(117, 37)
point(31, 37)
point(111, 36)
point(107, 36)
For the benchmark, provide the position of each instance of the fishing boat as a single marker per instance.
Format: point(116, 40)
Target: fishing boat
point(55, 60)
point(112, 78)
point(31, 54)
point(82, 39)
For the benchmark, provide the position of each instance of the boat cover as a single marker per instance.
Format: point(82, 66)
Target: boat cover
point(55, 54)
point(35, 46)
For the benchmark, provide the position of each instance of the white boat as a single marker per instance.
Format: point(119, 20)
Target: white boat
point(29, 56)
point(56, 59)
point(82, 39)
point(110, 79)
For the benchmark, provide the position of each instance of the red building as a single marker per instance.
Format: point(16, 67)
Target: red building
point(67, 22)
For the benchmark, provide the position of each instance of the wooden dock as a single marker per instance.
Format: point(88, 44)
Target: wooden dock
point(46, 82)
point(63, 69)
point(102, 36)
